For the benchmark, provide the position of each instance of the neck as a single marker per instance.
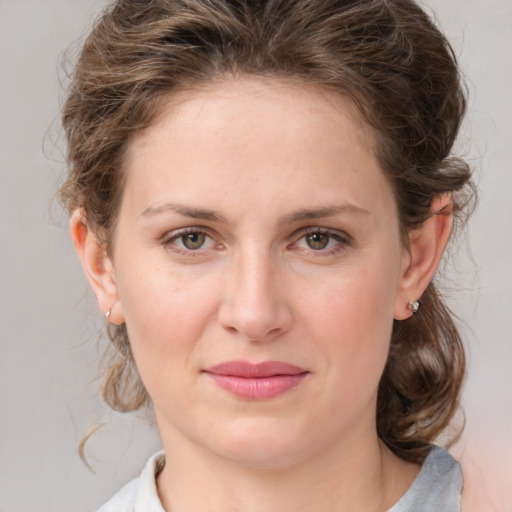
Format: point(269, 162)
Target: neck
point(352, 476)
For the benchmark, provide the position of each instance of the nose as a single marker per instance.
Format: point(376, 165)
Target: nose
point(254, 303)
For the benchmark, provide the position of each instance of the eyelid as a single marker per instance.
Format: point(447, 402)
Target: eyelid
point(167, 240)
point(344, 239)
point(320, 229)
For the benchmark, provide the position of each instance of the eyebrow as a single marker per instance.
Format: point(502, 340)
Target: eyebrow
point(300, 215)
point(326, 211)
point(185, 211)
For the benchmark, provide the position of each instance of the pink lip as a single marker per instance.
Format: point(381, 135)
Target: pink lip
point(256, 381)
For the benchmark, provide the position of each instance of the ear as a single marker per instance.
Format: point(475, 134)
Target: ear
point(426, 248)
point(97, 266)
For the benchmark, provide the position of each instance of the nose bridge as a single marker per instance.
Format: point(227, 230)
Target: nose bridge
point(254, 305)
point(256, 276)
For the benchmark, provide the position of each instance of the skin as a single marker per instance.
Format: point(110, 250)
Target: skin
point(264, 170)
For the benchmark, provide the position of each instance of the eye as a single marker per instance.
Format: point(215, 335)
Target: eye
point(322, 240)
point(317, 241)
point(193, 241)
point(189, 240)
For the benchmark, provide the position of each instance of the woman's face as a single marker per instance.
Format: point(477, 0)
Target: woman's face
point(258, 263)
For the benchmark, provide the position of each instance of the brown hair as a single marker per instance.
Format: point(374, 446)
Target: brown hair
point(385, 55)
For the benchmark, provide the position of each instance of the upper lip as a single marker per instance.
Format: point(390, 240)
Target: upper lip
point(255, 370)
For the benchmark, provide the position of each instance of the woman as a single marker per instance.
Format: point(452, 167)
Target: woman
point(260, 195)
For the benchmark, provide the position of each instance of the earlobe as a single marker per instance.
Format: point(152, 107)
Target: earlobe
point(97, 266)
point(426, 248)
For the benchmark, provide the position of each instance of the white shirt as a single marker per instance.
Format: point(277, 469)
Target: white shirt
point(437, 488)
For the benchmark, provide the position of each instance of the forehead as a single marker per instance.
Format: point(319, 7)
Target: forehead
point(255, 136)
point(215, 104)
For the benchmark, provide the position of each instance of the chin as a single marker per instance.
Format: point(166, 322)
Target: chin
point(260, 443)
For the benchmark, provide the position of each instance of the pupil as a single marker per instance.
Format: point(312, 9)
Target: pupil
point(193, 240)
point(318, 240)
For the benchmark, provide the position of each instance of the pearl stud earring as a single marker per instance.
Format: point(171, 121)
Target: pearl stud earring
point(414, 306)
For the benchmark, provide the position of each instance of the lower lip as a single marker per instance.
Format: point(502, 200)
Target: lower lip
point(257, 388)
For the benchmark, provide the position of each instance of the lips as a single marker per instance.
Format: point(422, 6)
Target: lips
point(260, 381)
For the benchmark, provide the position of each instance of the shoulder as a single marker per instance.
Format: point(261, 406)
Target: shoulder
point(124, 499)
point(139, 495)
point(437, 487)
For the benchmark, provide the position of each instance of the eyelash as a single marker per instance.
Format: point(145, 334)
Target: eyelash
point(169, 239)
point(343, 241)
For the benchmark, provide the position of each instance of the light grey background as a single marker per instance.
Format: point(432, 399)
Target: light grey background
point(49, 324)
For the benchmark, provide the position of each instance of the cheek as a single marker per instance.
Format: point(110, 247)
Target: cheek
point(355, 299)
point(165, 314)
point(353, 319)
point(363, 324)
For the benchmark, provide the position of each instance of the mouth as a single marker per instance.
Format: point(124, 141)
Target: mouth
point(260, 381)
